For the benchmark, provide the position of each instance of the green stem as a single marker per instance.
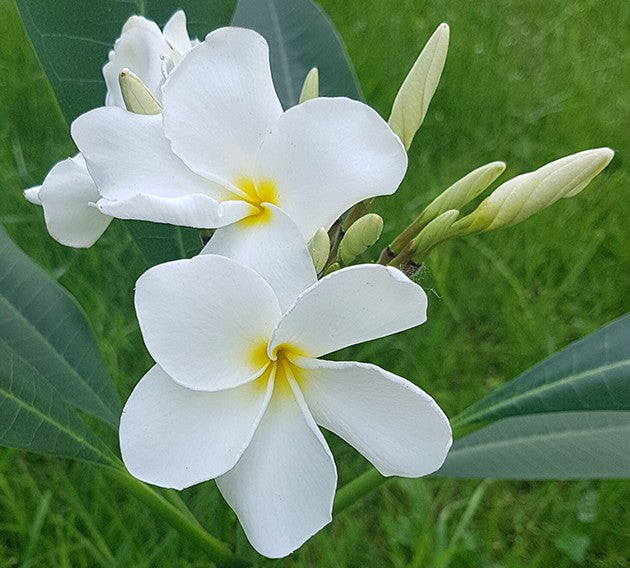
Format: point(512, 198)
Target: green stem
point(175, 499)
point(386, 256)
point(402, 257)
point(357, 488)
point(404, 238)
point(371, 479)
point(216, 550)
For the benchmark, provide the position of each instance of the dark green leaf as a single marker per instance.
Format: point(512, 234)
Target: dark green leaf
point(73, 37)
point(161, 243)
point(300, 37)
point(34, 417)
point(590, 374)
point(561, 445)
point(41, 323)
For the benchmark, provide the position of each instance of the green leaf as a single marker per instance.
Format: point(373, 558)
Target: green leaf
point(73, 37)
point(42, 324)
point(300, 37)
point(34, 416)
point(160, 243)
point(590, 374)
point(559, 445)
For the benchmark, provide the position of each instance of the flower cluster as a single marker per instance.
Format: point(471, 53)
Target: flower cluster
point(200, 139)
point(193, 134)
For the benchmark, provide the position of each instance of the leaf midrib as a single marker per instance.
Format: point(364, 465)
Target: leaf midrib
point(548, 436)
point(5, 301)
point(46, 418)
point(484, 412)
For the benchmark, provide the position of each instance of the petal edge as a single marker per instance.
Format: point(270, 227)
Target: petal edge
point(392, 422)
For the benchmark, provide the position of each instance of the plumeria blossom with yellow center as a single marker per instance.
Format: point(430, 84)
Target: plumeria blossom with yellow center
point(223, 154)
point(238, 390)
point(68, 193)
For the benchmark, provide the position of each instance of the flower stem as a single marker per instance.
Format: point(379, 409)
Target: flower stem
point(174, 516)
point(173, 497)
point(371, 479)
point(357, 488)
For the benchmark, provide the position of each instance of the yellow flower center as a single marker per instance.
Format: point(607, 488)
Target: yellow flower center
point(280, 365)
point(257, 194)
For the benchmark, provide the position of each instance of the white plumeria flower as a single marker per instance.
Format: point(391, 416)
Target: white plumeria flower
point(68, 193)
point(223, 154)
point(149, 52)
point(238, 390)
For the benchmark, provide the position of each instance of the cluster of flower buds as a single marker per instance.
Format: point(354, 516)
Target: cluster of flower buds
point(509, 204)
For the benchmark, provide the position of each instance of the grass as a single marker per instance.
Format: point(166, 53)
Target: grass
point(525, 82)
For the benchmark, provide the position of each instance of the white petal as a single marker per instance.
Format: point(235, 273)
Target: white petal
point(172, 436)
point(140, 49)
point(392, 422)
point(219, 103)
point(350, 306)
point(66, 196)
point(140, 22)
point(141, 162)
point(206, 320)
point(325, 155)
point(176, 34)
point(32, 195)
point(272, 246)
point(198, 211)
point(283, 485)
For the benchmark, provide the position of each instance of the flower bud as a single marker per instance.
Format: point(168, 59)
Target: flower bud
point(412, 101)
point(310, 88)
point(137, 96)
point(360, 236)
point(332, 268)
point(464, 191)
point(319, 247)
point(454, 197)
point(524, 195)
point(434, 233)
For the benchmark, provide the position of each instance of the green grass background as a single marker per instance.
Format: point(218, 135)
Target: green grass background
point(525, 82)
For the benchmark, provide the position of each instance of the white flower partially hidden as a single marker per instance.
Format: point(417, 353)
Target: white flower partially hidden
point(223, 154)
point(149, 52)
point(68, 193)
point(238, 390)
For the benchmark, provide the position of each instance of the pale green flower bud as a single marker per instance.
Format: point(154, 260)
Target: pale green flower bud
point(137, 96)
point(332, 268)
point(454, 197)
point(319, 247)
point(360, 236)
point(519, 198)
point(464, 191)
point(434, 233)
point(310, 88)
point(412, 101)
